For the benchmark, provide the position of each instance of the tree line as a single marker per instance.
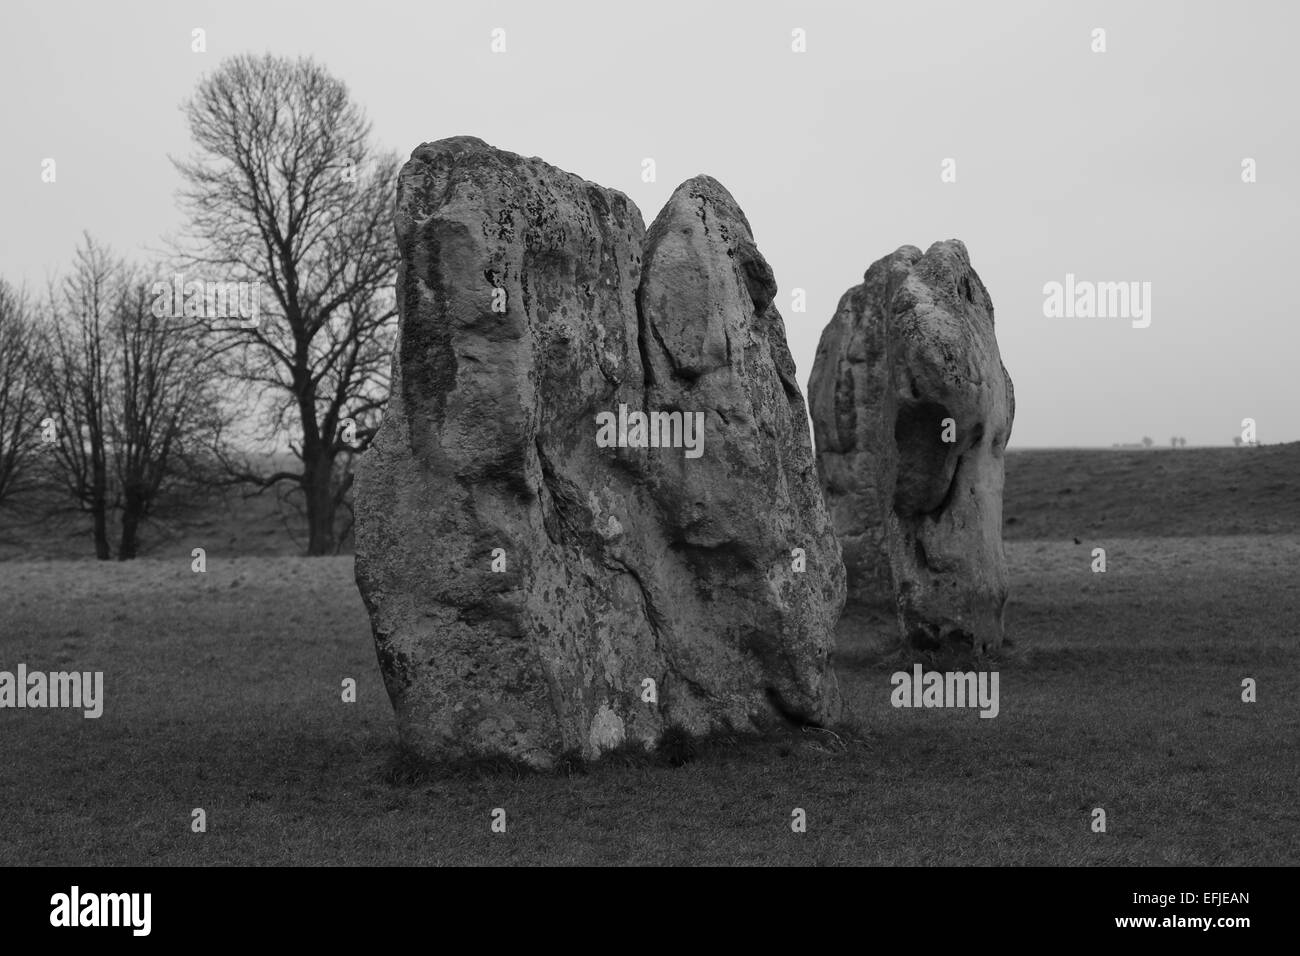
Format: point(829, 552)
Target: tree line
point(270, 320)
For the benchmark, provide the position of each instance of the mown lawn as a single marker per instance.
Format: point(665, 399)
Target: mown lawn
point(223, 692)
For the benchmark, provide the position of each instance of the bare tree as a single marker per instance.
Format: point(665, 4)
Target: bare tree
point(19, 399)
point(74, 382)
point(286, 192)
point(164, 410)
point(130, 393)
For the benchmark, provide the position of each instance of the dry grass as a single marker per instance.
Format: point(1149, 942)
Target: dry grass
point(223, 692)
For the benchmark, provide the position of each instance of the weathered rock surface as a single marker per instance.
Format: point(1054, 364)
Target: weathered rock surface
point(622, 565)
point(919, 518)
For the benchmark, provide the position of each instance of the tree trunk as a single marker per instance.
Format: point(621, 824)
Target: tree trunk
point(132, 512)
point(100, 512)
point(99, 495)
point(320, 505)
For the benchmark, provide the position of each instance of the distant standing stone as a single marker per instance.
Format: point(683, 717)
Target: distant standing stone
point(912, 409)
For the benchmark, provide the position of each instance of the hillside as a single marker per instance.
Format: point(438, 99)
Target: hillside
point(1058, 493)
point(1050, 494)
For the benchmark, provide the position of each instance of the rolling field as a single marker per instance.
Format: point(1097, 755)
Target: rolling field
point(1122, 691)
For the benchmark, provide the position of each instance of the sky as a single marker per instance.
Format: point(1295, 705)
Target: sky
point(1115, 165)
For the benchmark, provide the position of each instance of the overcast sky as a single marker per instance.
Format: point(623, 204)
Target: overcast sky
point(1124, 165)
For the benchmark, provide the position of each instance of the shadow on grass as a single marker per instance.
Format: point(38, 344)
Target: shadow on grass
point(893, 655)
point(676, 748)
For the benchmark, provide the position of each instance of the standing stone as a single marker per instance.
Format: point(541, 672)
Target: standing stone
point(626, 560)
point(910, 359)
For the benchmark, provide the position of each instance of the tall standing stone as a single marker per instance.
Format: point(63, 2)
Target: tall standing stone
point(912, 409)
point(638, 586)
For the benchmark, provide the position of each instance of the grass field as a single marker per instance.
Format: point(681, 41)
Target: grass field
point(1123, 691)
